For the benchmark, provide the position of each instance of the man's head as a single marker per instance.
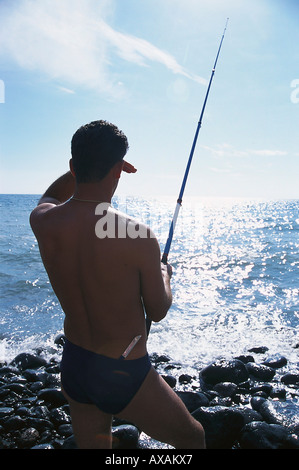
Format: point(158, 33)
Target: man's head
point(96, 148)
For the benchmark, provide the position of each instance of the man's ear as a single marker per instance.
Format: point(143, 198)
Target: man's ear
point(117, 169)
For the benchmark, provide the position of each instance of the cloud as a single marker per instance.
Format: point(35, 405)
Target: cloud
point(226, 150)
point(71, 41)
point(66, 90)
point(269, 153)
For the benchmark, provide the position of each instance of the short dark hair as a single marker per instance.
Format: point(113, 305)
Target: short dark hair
point(96, 147)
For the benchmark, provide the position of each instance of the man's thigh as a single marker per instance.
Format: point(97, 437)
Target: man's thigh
point(91, 427)
point(159, 412)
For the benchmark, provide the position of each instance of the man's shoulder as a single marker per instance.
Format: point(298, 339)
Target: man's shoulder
point(42, 213)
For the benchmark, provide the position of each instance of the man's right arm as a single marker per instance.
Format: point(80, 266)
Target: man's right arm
point(155, 282)
point(57, 193)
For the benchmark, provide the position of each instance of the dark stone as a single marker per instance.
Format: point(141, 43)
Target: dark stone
point(5, 411)
point(53, 396)
point(250, 415)
point(40, 424)
point(265, 388)
point(125, 436)
point(58, 416)
point(28, 361)
point(245, 359)
point(256, 402)
point(226, 389)
point(283, 413)
point(35, 375)
point(260, 435)
point(291, 378)
point(53, 369)
point(40, 412)
point(159, 359)
point(221, 401)
point(69, 443)
point(193, 400)
point(60, 339)
point(259, 350)
point(224, 371)
point(185, 378)
point(260, 372)
point(65, 430)
point(170, 380)
point(222, 425)
point(42, 446)
point(28, 438)
point(276, 362)
point(14, 423)
point(278, 393)
point(18, 388)
point(8, 371)
point(23, 411)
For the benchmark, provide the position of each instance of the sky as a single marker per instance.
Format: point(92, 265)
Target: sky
point(144, 66)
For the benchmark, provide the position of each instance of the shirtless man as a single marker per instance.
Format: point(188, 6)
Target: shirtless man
point(104, 284)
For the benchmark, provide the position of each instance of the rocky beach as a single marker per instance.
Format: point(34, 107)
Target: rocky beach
point(248, 402)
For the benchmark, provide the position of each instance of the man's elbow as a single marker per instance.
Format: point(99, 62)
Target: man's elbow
point(158, 314)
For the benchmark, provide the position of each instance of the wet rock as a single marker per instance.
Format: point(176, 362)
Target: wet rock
point(185, 378)
point(28, 361)
point(222, 425)
point(40, 424)
point(260, 435)
point(9, 371)
point(33, 375)
point(226, 389)
point(34, 413)
point(65, 430)
point(224, 371)
point(245, 359)
point(60, 340)
point(265, 388)
point(283, 413)
point(28, 438)
point(53, 396)
point(125, 437)
point(276, 362)
point(59, 416)
point(14, 423)
point(290, 378)
point(5, 411)
point(42, 446)
point(279, 393)
point(193, 400)
point(260, 371)
point(259, 350)
point(250, 415)
point(170, 380)
point(69, 443)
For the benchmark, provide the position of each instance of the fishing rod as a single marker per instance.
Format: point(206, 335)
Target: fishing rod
point(180, 198)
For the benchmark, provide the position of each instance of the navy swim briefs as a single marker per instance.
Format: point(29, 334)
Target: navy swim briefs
point(108, 383)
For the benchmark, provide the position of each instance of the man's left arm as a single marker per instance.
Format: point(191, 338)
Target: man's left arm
point(59, 191)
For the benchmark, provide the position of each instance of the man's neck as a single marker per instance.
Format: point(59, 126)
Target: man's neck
point(95, 192)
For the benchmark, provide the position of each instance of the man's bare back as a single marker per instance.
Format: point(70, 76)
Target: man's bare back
point(99, 281)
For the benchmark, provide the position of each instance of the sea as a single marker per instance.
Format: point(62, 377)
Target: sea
point(235, 279)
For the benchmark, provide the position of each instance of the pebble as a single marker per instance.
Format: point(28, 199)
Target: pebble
point(242, 404)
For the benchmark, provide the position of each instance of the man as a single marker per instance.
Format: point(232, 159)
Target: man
point(104, 281)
